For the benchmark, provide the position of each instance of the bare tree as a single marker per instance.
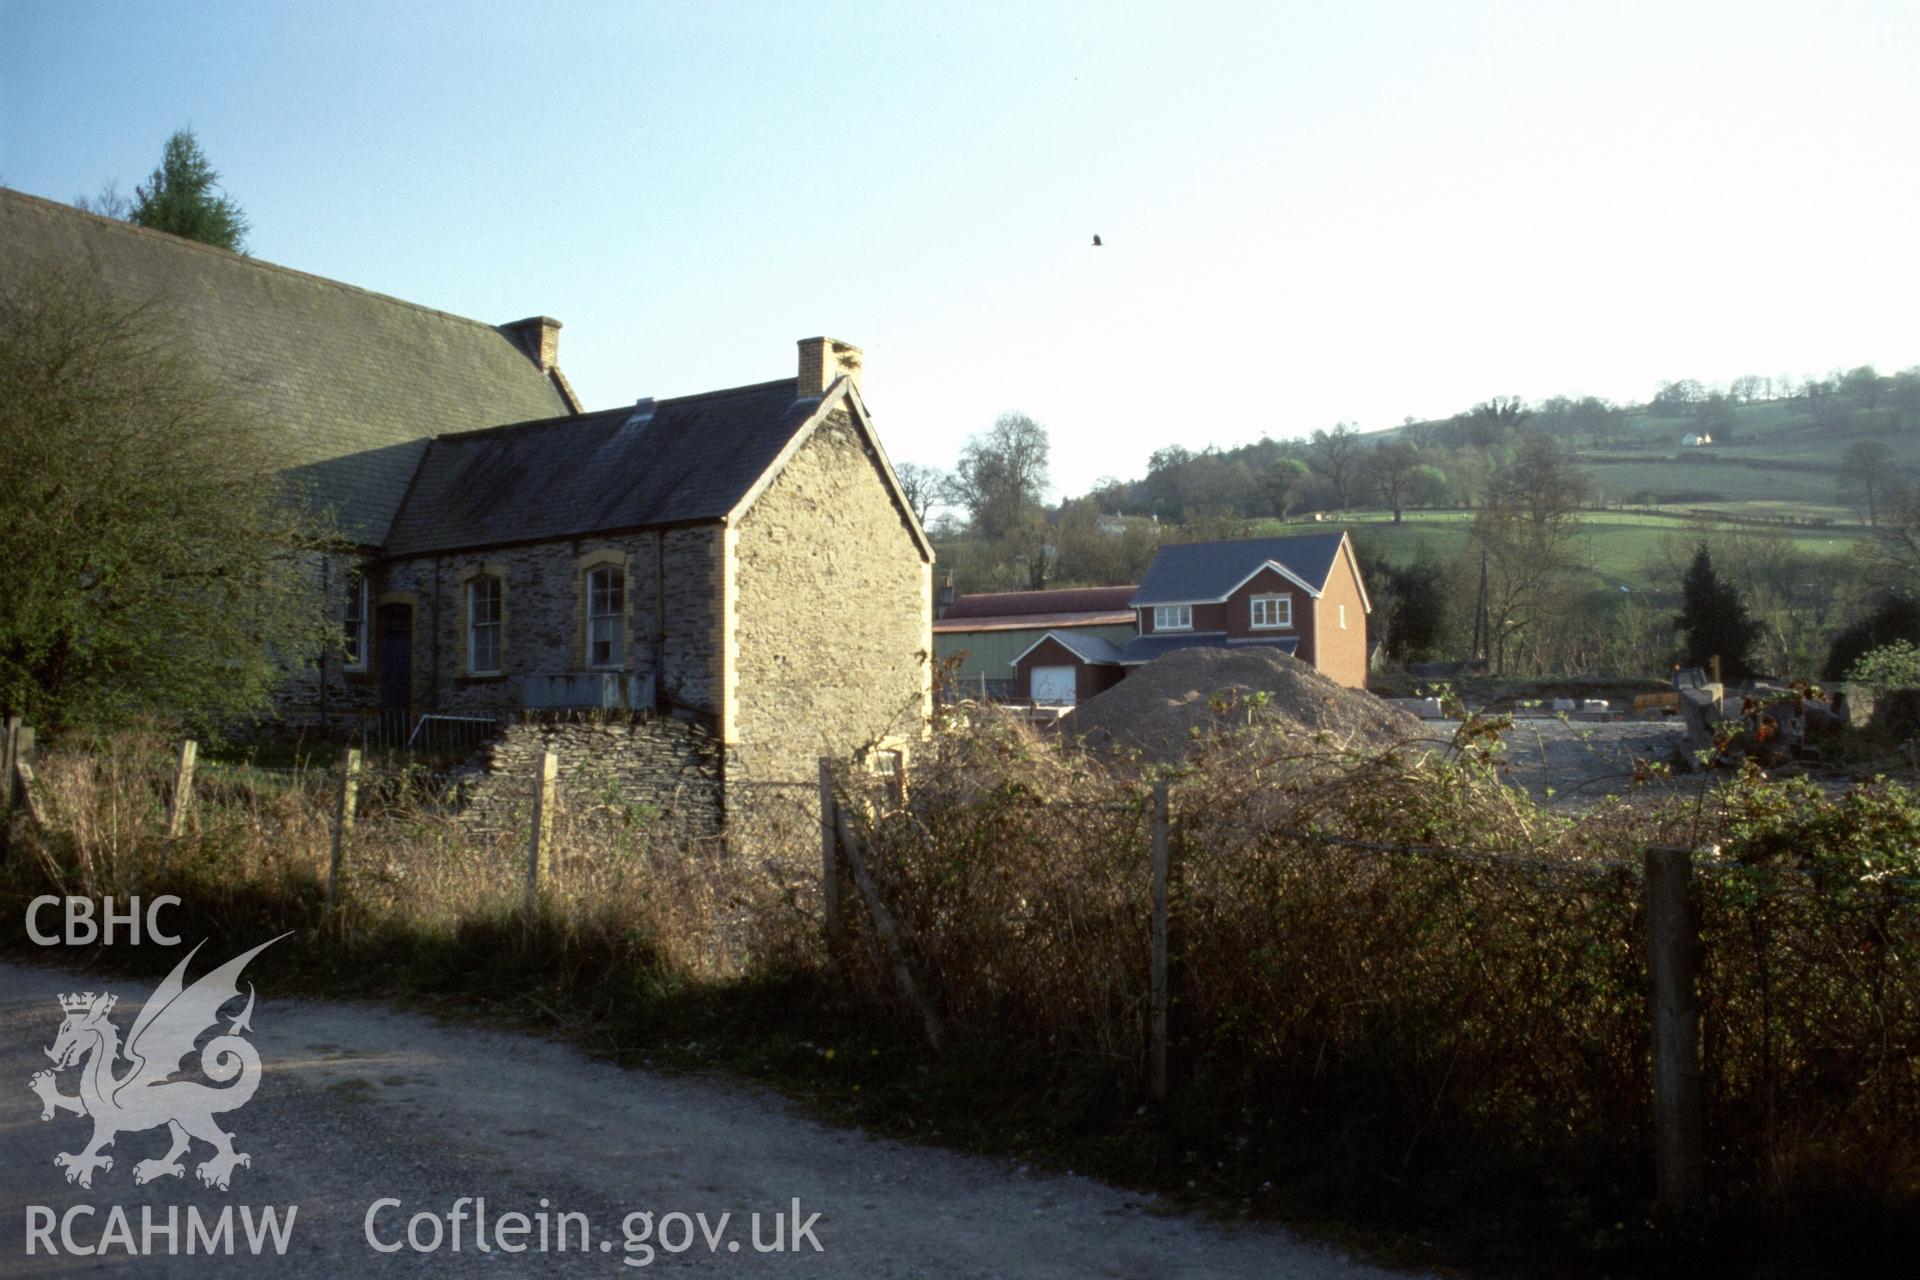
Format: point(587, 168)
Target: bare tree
point(1336, 455)
point(108, 202)
point(1390, 467)
point(1525, 536)
point(1002, 474)
point(922, 485)
point(1282, 483)
point(1868, 475)
point(153, 561)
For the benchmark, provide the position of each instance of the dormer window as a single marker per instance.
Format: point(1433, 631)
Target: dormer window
point(1272, 613)
point(1173, 617)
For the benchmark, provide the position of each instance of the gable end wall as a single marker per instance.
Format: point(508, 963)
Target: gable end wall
point(831, 618)
point(1341, 655)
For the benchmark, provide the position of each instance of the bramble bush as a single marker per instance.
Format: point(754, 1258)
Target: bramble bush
point(1398, 966)
point(1895, 665)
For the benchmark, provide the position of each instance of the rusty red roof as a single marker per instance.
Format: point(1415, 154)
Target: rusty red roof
point(1024, 621)
point(1004, 605)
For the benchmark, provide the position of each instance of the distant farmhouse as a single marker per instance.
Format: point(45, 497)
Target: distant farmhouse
point(1301, 595)
point(742, 559)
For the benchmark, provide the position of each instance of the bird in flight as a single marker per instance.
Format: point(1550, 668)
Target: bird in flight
point(1096, 242)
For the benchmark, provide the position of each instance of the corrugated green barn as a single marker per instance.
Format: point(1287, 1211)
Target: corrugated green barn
point(987, 632)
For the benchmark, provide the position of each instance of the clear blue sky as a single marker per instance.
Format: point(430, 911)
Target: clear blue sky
point(1312, 211)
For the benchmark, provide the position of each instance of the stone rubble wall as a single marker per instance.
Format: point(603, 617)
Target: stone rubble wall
point(652, 771)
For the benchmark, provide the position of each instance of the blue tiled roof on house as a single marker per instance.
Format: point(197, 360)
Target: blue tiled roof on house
point(1195, 572)
point(1092, 650)
point(1142, 649)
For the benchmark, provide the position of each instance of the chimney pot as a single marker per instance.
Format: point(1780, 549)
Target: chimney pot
point(824, 360)
point(539, 337)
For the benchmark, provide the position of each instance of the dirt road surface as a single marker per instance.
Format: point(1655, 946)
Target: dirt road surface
point(1576, 764)
point(359, 1104)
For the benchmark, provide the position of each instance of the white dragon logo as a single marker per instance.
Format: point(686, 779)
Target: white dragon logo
point(146, 1095)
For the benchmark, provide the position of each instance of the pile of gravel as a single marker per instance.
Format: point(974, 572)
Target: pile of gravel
point(1159, 707)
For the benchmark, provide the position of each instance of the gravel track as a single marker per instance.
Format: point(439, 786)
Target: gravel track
point(359, 1102)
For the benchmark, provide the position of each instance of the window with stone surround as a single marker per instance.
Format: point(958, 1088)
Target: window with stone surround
point(353, 621)
point(606, 617)
point(485, 616)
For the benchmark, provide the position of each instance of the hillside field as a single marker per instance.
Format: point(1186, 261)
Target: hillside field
point(1777, 458)
point(1623, 548)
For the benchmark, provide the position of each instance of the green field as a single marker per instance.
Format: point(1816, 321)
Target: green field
point(1623, 548)
point(1745, 470)
point(1778, 461)
point(1736, 486)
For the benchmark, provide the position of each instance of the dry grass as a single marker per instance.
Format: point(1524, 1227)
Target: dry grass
point(257, 851)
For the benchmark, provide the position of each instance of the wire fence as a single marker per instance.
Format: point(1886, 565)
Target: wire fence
point(1495, 997)
point(1407, 955)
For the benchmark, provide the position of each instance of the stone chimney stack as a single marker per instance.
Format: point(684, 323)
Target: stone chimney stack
point(824, 359)
point(539, 337)
point(944, 600)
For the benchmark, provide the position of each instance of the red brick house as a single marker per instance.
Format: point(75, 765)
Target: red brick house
point(1301, 595)
point(1064, 668)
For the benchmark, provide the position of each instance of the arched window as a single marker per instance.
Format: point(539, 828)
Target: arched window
point(606, 617)
point(484, 621)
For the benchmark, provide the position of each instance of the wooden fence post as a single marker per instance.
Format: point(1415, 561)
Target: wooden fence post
point(182, 787)
point(537, 844)
point(19, 779)
point(28, 795)
point(1159, 998)
point(8, 754)
point(9, 729)
point(830, 862)
point(342, 824)
point(1673, 961)
point(897, 780)
point(883, 924)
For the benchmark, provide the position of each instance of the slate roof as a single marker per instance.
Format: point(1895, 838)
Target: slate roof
point(1146, 648)
point(689, 459)
point(998, 604)
point(1091, 650)
point(351, 381)
point(1190, 572)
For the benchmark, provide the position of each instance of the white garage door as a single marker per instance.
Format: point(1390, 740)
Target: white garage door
point(1053, 685)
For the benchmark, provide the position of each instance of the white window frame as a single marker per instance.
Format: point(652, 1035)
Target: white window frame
point(1181, 616)
point(1279, 613)
point(607, 616)
point(357, 631)
point(495, 624)
point(1343, 617)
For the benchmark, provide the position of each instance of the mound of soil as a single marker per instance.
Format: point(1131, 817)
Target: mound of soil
point(1157, 709)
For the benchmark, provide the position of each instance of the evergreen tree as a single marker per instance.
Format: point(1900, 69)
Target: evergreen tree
point(180, 198)
point(1715, 620)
